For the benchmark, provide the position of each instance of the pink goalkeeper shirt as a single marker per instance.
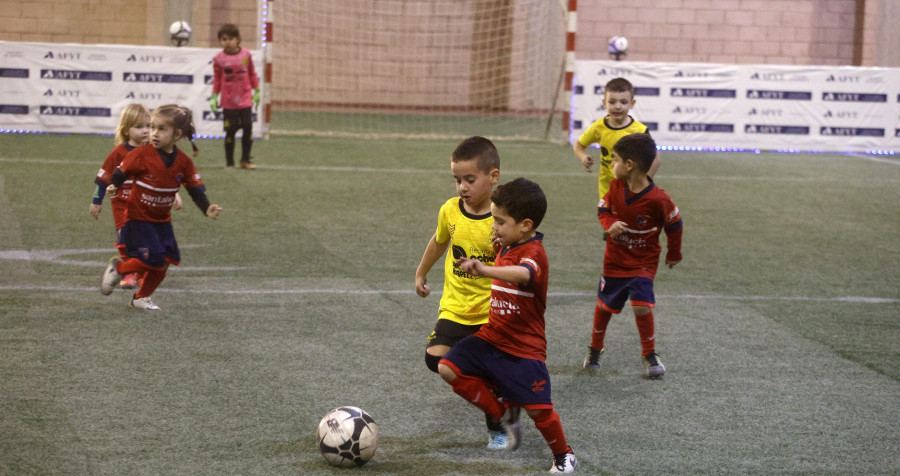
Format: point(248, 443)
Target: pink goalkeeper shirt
point(235, 78)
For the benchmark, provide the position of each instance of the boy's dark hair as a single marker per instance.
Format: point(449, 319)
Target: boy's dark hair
point(479, 148)
point(620, 85)
point(229, 29)
point(521, 199)
point(638, 148)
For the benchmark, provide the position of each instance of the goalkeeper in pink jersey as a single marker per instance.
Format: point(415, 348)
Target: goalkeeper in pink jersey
point(236, 91)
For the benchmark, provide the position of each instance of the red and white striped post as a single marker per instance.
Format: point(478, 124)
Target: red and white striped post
point(571, 22)
point(266, 20)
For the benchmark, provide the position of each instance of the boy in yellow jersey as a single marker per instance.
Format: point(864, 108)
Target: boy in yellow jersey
point(618, 99)
point(464, 227)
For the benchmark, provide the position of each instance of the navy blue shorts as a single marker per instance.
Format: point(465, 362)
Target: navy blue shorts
point(153, 243)
point(519, 381)
point(614, 292)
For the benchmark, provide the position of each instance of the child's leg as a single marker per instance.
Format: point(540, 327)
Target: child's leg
point(601, 322)
point(548, 423)
point(247, 140)
point(151, 281)
point(475, 390)
point(230, 132)
point(643, 317)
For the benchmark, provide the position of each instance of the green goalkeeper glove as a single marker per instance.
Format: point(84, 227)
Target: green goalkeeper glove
point(255, 97)
point(214, 102)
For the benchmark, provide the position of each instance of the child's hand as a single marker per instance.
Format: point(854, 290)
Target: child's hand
point(178, 202)
point(495, 241)
point(111, 191)
point(617, 229)
point(422, 287)
point(471, 266)
point(213, 211)
point(672, 262)
point(95, 211)
point(587, 161)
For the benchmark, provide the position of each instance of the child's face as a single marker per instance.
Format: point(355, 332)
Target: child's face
point(507, 230)
point(472, 184)
point(139, 133)
point(618, 104)
point(231, 44)
point(163, 134)
point(619, 167)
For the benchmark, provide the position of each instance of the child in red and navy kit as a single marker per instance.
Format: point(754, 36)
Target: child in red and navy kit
point(634, 212)
point(157, 171)
point(235, 90)
point(133, 131)
point(507, 356)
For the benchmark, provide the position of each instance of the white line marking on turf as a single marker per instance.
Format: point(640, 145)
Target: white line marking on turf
point(54, 256)
point(373, 292)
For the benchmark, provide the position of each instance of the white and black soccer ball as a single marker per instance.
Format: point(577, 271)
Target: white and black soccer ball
point(347, 436)
point(180, 33)
point(618, 45)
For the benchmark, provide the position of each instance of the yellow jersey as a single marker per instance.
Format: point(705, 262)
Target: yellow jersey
point(601, 133)
point(466, 299)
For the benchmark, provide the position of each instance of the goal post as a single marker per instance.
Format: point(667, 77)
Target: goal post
point(419, 68)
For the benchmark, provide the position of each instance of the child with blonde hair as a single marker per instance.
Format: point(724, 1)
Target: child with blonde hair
point(157, 171)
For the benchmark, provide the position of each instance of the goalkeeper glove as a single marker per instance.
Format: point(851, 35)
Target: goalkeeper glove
point(255, 97)
point(214, 102)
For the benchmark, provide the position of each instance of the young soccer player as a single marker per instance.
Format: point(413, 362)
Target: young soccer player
point(506, 357)
point(618, 99)
point(157, 170)
point(464, 226)
point(133, 131)
point(634, 212)
point(235, 89)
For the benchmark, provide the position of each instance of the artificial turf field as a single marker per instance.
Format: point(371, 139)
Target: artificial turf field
point(779, 329)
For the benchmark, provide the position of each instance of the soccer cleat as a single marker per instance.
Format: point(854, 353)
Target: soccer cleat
point(655, 367)
point(110, 277)
point(512, 427)
point(564, 462)
point(144, 303)
point(592, 360)
point(129, 281)
point(497, 440)
point(248, 165)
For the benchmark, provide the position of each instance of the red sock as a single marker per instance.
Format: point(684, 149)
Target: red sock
point(131, 265)
point(601, 321)
point(476, 392)
point(547, 422)
point(647, 332)
point(151, 282)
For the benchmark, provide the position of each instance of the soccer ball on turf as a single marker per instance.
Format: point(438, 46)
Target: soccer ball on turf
point(347, 436)
point(180, 32)
point(618, 46)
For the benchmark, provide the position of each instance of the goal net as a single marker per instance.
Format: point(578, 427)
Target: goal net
point(419, 68)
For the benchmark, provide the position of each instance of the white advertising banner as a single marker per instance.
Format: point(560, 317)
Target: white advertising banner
point(58, 87)
point(750, 107)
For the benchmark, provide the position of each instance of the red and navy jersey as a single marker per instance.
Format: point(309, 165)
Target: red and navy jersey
point(155, 183)
point(516, 323)
point(235, 78)
point(120, 201)
point(646, 214)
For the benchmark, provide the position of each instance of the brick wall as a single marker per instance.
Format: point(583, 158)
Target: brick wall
point(131, 22)
point(733, 31)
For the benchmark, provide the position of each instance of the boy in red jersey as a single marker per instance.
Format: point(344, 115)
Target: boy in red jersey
point(506, 357)
point(235, 89)
point(634, 212)
point(157, 171)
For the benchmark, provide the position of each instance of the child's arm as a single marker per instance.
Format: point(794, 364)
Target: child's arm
point(654, 166)
point(198, 195)
point(513, 274)
point(97, 202)
point(586, 160)
point(433, 253)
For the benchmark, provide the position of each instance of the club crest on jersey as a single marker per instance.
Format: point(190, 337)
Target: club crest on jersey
point(179, 178)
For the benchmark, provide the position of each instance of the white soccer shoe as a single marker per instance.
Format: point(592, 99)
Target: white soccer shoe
point(512, 427)
point(144, 303)
point(111, 277)
point(564, 462)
